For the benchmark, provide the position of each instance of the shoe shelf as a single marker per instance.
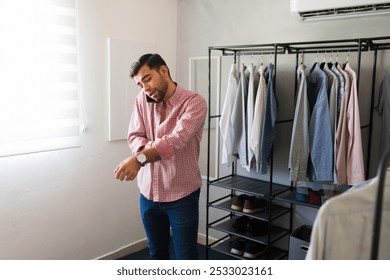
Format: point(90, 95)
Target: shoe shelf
point(275, 233)
point(272, 253)
point(276, 211)
point(291, 197)
point(261, 188)
point(250, 186)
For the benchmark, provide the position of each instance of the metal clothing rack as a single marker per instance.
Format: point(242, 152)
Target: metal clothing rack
point(358, 45)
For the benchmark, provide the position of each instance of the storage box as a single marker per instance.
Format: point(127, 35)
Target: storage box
point(299, 243)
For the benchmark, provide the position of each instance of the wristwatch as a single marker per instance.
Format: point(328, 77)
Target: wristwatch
point(141, 158)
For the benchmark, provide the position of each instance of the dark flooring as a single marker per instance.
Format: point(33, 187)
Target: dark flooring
point(213, 255)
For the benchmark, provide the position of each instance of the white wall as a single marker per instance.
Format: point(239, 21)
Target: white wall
point(205, 23)
point(67, 204)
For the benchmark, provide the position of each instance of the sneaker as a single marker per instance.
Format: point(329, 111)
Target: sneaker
point(254, 205)
point(240, 223)
point(238, 246)
point(238, 202)
point(253, 250)
point(257, 227)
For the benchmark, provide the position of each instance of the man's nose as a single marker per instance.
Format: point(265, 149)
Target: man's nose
point(146, 87)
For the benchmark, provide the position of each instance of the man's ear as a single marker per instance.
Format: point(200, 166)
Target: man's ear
point(164, 71)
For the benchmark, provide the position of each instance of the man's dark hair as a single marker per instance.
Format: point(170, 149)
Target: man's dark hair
point(153, 61)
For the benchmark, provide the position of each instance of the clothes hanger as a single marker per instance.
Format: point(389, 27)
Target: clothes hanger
point(322, 65)
point(243, 62)
point(382, 170)
point(347, 60)
point(302, 58)
point(330, 64)
point(315, 63)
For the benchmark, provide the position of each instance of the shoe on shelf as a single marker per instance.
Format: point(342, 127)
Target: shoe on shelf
point(238, 202)
point(240, 223)
point(254, 205)
point(257, 227)
point(238, 245)
point(253, 250)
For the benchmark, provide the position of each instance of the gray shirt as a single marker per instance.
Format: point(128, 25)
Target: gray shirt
point(299, 147)
point(382, 105)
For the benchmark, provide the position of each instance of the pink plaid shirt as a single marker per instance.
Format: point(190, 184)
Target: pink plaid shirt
point(176, 139)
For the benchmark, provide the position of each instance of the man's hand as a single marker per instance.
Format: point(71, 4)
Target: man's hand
point(127, 169)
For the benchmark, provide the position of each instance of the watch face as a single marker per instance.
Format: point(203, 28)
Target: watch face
point(141, 158)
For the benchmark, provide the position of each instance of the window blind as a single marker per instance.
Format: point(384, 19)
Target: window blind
point(39, 76)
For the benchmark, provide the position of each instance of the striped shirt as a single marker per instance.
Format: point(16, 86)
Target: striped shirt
point(177, 141)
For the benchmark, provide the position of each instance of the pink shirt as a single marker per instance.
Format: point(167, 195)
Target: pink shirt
point(176, 139)
point(350, 162)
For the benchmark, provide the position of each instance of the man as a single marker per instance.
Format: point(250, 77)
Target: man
point(164, 136)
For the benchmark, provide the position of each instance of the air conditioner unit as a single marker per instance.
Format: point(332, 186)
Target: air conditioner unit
point(308, 10)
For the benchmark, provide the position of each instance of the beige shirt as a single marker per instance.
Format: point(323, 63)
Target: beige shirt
point(258, 119)
point(343, 227)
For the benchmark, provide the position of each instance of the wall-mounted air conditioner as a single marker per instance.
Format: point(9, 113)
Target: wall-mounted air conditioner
point(306, 10)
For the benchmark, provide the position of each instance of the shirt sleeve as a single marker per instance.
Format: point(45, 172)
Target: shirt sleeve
point(189, 123)
point(137, 133)
point(318, 235)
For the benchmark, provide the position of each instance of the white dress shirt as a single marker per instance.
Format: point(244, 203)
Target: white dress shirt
point(225, 124)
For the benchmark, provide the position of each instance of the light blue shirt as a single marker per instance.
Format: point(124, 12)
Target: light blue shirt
point(268, 130)
point(252, 88)
point(340, 90)
point(238, 118)
point(320, 167)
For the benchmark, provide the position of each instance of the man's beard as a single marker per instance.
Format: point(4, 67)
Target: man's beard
point(162, 91)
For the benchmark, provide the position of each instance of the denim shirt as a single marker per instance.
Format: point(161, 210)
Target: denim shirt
point(268, 130)
point(320, 167)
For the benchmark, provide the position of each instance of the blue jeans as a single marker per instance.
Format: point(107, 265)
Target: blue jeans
point(182, 216)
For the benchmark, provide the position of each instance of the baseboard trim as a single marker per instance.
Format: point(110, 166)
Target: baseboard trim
point(202, 239)
point(125, 250)
point(142, 244)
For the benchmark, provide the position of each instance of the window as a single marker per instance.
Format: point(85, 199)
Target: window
point(39, 81)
